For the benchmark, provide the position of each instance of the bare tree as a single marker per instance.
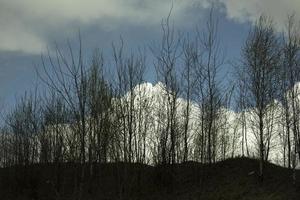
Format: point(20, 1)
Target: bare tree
point(190, 58)
point(210, 61)
point(290, 76)
point(242, 108)
point(69, 79)
point(67, 76)
point(130, 73)
point(166, 68)
point(99, 108)
point(24, 122)
point(260, 60)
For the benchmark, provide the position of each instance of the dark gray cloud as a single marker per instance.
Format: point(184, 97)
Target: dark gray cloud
point(250, 10)
point(32, 25)
point(17, 74)
point(29, 24)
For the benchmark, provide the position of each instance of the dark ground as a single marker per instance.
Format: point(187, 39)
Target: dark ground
point(230, 179)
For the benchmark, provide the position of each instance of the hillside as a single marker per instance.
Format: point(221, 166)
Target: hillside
point(230, 179)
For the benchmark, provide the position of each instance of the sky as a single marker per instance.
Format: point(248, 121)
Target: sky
point(29, 28)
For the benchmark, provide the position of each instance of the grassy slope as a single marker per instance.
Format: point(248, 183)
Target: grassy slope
point(229, 179)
